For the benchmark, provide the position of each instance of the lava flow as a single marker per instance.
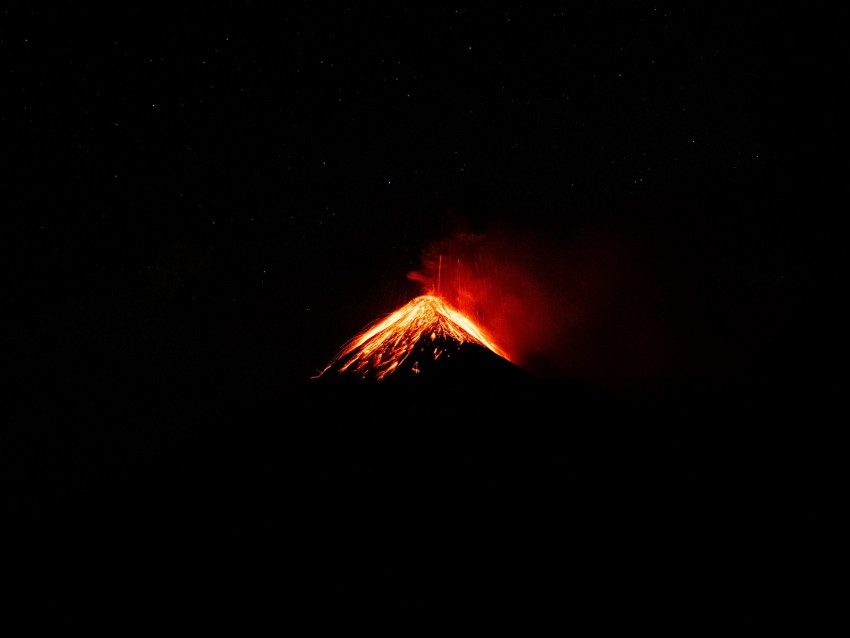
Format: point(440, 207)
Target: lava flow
point(411, 338)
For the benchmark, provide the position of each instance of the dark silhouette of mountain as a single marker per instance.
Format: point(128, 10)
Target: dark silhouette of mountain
point(468, 485)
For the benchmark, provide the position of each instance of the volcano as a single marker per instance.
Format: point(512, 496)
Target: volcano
point(425, 340)
point(486, 484)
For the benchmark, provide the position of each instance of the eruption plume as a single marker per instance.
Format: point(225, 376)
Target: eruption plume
point(615, 305)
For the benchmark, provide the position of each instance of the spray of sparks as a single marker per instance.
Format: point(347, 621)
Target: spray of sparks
point(385, 345)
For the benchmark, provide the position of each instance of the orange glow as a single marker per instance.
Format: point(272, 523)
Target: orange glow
point(383, 346)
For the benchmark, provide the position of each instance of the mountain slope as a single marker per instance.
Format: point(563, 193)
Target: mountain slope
point(424, 337)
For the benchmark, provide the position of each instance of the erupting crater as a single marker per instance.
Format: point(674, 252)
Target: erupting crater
point(425, 337)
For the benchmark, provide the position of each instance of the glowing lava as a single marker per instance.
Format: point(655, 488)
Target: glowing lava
point(426, 328)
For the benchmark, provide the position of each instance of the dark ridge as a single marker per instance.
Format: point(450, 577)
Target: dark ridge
point(446, 490)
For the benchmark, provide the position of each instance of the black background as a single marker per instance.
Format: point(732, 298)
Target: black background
point(212, 198)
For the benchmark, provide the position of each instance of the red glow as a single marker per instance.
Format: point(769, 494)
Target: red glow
point(609, 305)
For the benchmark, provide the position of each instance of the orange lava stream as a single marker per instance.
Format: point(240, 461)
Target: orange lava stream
point(384, 345)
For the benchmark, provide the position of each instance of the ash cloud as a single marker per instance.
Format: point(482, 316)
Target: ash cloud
point(618, 304)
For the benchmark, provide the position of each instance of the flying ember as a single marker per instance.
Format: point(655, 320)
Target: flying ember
point(417, 334)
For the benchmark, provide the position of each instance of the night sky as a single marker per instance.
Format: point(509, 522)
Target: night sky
point(211, 199)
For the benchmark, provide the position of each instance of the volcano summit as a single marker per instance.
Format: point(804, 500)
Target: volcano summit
point(426, 338)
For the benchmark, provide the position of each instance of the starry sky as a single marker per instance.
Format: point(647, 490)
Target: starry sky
point(216, 196)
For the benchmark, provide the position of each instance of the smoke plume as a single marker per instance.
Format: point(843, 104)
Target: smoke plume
point(614, 305)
